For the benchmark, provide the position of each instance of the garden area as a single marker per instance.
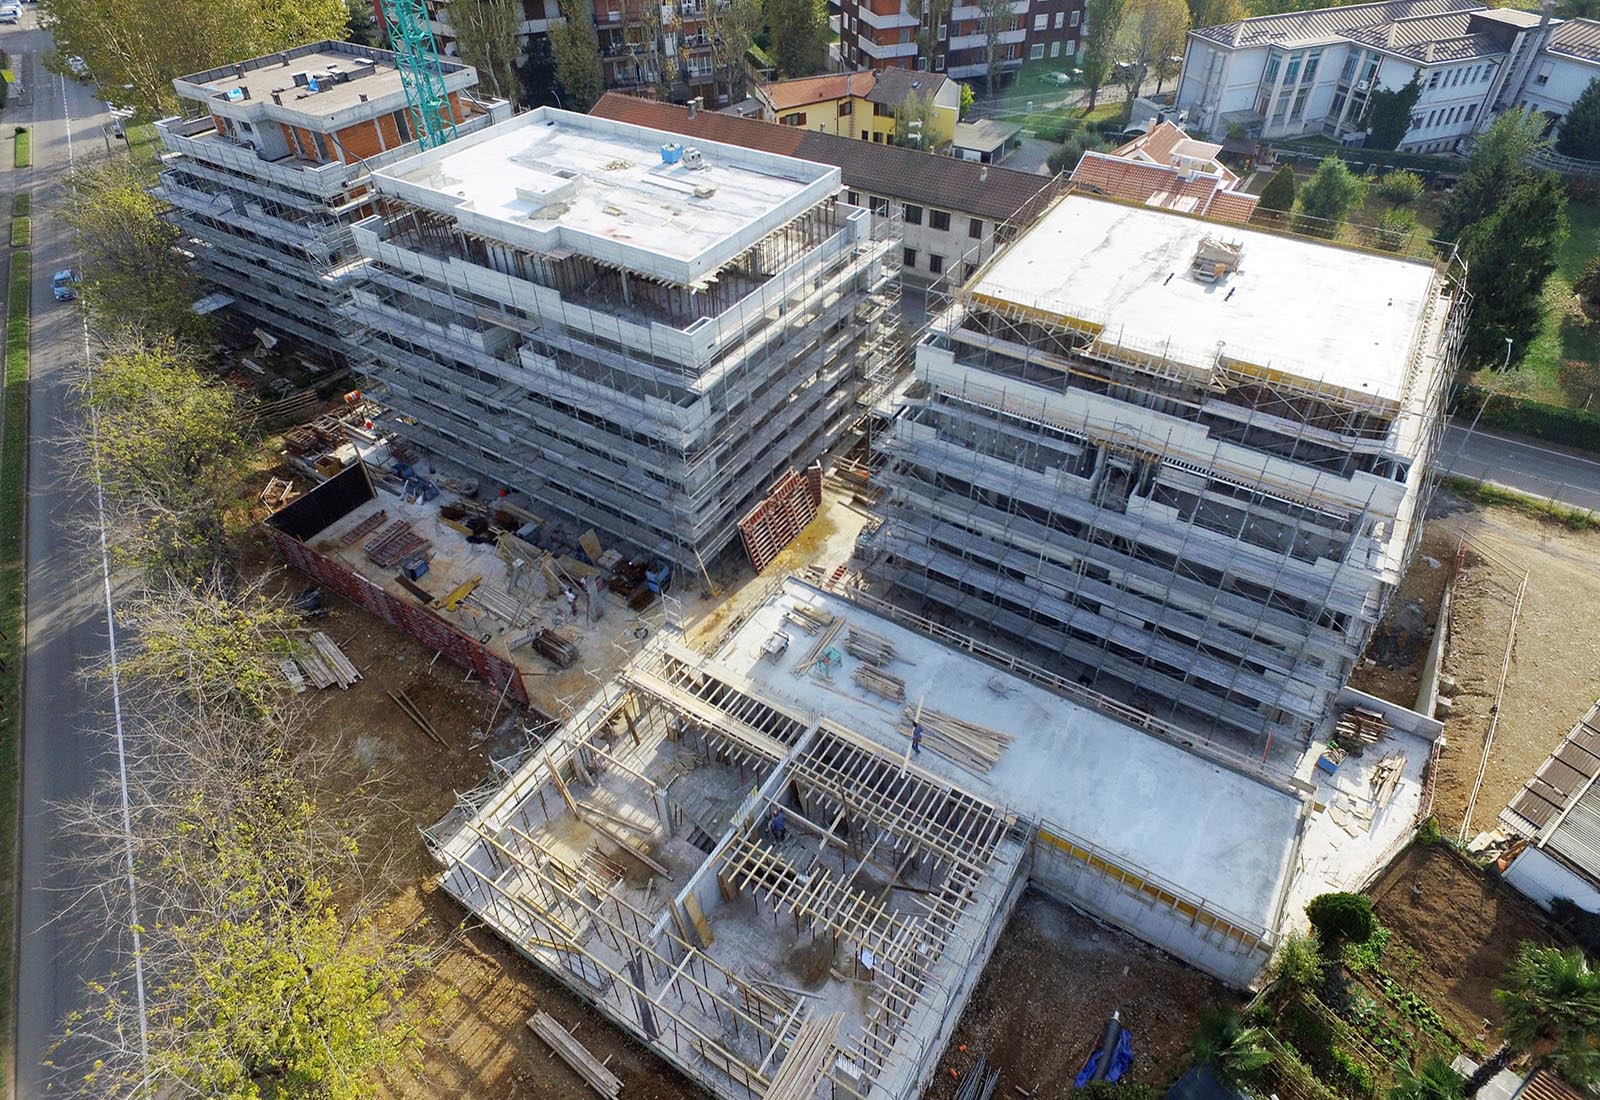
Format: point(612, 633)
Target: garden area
point(1442, 958)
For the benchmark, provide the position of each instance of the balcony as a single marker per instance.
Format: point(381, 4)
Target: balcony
point(981, 41)
point(886, 22)
point(884, 52)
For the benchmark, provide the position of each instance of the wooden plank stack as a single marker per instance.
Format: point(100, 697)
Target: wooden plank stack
point(881, 683)
point(808, 618)
point(397, 543)
point(809, 1059)
point(364, 528)
point(872, 648)
point(344, 673)
point(824, 640)
point(572, 1052)
point(1358, 727)
point(554, 648)
point(974, 747)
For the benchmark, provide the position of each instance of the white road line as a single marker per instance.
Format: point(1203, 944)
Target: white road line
point(1565, 456)
point(116, 682)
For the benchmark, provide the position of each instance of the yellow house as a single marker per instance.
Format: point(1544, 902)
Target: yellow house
point(866, 105)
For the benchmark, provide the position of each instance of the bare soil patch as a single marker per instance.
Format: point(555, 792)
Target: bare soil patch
point(1399, 648)
point(1555, 666)
point(1041, 1005)
point(1464, 926)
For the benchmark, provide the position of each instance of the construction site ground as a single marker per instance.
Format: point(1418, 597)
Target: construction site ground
point(1462, 926)
point(1041, 1006)
point(1554, 673)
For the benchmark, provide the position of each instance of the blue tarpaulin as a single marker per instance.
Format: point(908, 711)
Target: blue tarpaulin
point(1121, 1059)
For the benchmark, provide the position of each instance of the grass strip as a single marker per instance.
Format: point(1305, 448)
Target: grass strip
point(21, 204)
point(1481, 492)
point(22, 148)
point(20, 232)
point(13, 451)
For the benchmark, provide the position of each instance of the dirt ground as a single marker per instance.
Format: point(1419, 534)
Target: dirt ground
point(1042, 1004)
point(1397, 653)
point(1464, 927)
point(1555, 667)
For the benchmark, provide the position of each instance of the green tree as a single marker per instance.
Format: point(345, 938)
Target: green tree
point(361, 28)
point(1587, 287)
point(1388, 114)
point(1434, 1079)
point(930, 16)
point(1395, 229)
point(913, 121)
point(1216, 13)
point(170, 450)
point(576, 47)
point(995, 17)
point(1551, 999)
point(733, 26)
point(1341, 918)
point(486, 39)
point(1509, 256)
point(1233, 1051)
point(1098, 54)
point(1579, 135)
point(1299, 963)
point(1327, 198)
point(1497, 167)
point(144, 44)
point(1150, 32)
point(536, 76)
point(967, 96)
point(799, 30)
point(1401, 188)
point(134, 276)
point(1278, 194)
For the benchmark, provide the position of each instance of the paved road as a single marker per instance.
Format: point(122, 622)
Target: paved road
point(1527, 466)
point(65, 728)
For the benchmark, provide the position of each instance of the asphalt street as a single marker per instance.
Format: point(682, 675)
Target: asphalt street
point(1525, 465)
point(65, 742)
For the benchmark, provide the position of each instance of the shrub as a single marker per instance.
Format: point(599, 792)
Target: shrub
point(1434, 1079)
point(1342, 918)
point(1572, 427)
point(1401, 188)
point(1588, 285)
point(1394, 229)
point(1115, 1090)
point(1278, 194)
point(1234, 1052)
point(1299, 963)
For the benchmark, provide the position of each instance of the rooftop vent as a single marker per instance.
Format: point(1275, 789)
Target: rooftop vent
point(693, 158)
point(1215, 259)
point(671, 153)
point(302, 79)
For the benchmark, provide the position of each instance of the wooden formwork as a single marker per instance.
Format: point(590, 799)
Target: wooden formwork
point(774, 523)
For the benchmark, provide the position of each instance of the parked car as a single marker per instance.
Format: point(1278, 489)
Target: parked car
point(10, 13)
point(78, 67)
point(1060, 79)
point(64, 285)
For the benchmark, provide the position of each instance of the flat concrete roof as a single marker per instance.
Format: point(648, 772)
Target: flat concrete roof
point(1216, 834)
point(551, 180)
point(1318, 312)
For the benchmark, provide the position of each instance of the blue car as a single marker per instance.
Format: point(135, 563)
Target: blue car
point(64, 285)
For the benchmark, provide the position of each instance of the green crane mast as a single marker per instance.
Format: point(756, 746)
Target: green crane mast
point(417, 56)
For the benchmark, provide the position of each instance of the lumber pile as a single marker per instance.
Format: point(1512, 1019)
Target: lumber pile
point(1358, 727)
point(414, 712)
point(344, 672)
point(810, 1057)
point(291, 672)
point(316, 668)
point(501, 604)
point(364, 528)
point(808, 618)
point(554, 648)
point(880, 683)
point(974, 747)
point(395, 544)
point(572, 1052)
point(872, 648)
point(824, 640)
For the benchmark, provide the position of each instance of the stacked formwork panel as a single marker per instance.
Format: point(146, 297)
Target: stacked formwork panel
point(775, 522)
point(1211, 538)
point(614, 388)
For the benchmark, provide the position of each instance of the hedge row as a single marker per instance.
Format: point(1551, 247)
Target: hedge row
point(1570, 427)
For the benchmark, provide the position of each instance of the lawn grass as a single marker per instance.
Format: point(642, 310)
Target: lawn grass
point(13, 435)
point(19, 232)
point(1056, 118)
point(1566, 336)
point(21, 204)
point(22, 148)
point(1574, 519)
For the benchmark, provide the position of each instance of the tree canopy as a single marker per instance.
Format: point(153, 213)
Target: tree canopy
point(1278, 194)
point(1497, 166)
point(799, 30)
point(486, 38)
point(1341, 918)
point(1388, 114)
point(146, 43)
point(1579, 135)
point(1328, 196)
point(1149, 33)
point(1551, 998)
point(1098, 54)
point(1509, 256)
point(576, 47)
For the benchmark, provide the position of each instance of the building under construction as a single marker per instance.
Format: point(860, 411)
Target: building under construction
point(266, 178)
point(1186, 462)
point(641, 335)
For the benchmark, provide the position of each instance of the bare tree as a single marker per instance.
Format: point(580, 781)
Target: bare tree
point(1150, 32)
point(732, 26)
point(931, 15)
point(486, 38)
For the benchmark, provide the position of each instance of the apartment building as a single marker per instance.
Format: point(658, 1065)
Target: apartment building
point(1314, 72)
point(1182, 462)
point(266, 178)
point(950, 213)
point(879, 34)
point(638, 332)
point(864, 104)
point(643, 46)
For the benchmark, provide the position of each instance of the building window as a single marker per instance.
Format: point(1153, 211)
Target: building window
point(1309, 73)
point(1055, 47)
point(1433, 81)
point(865, 134)
point(852, 198)
point(1472, 111)
point(880, 206)
point(1291, 75)
point(910, 257)
point(1061, 19)
point(922, 64)
point(943, 29)
point(1299, 104)
point(935, 263)
point(1041, 21)
point(798, 118)
point(1349, 69)
point(877, 139)
point(1544, 74)
point(1269, 75)
point(913, 214)
point(939, 219)
point(975, 228)
point(938, 64)
point(1072, 19)
point(1036, 51)
point(846, 106)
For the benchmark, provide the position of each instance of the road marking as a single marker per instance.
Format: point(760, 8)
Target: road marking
point(116, 682)
point(1565, 456)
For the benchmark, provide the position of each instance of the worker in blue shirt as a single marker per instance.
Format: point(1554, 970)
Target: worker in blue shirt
point(916, 739)
point(778, 825)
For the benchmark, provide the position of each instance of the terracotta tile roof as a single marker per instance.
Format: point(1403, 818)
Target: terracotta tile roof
point(1162, 186)
point(787, 95)
point(1577, 38)
point(1544, 1085)
point(1158, 144)
point(895, 84)
point(960, 186)
point(1325, 23)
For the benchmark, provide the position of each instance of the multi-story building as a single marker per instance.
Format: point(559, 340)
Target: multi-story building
point(951, 213)
point(1315, 71)
point(672, 46)
point(266, 179)
point(640, 335)
point(1184, 462)
point(865, 104)
point(879, 34)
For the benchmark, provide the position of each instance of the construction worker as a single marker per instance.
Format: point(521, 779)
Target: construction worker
point(779, 825)
point(916, 739)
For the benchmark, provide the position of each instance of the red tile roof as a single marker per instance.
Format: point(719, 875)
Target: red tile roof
point(966, 187)
point(1160, 185)
point(786, 95)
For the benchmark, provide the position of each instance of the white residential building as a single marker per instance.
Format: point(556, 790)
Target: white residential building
point(1314, 72)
